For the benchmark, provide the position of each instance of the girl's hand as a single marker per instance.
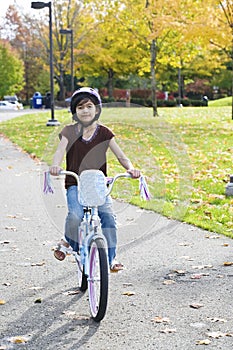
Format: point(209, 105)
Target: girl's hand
point(135, 173)
point(55, 170)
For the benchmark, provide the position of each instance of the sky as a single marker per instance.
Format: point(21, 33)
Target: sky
point(24, 5)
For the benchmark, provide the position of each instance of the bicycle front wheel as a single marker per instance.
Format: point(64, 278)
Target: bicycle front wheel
point(98, 279)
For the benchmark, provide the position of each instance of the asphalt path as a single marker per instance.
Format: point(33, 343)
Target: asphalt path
point(175, 292)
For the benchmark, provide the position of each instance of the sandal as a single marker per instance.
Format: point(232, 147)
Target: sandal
point(116, 266)
point(61, 251)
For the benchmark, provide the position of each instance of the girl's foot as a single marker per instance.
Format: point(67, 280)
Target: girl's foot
point(62, 249)
point(116, 266)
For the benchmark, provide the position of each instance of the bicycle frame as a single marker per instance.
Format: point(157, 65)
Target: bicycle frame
point(92, 258)
point(91, 218)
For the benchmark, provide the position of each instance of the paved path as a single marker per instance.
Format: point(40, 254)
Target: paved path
point(181, 290)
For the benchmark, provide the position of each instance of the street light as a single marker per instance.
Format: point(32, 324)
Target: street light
point(40, 5)
point(70, 31)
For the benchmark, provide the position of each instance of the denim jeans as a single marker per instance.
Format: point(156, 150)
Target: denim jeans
point(75, 215)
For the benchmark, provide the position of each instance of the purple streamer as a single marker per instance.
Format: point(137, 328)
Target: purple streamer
point(47, 183)
point(143, 188)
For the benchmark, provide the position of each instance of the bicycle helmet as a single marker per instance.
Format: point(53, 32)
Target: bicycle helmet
point(79, 95)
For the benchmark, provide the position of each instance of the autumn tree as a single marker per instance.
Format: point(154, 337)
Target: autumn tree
point(224, 40)
point(11, 71)
point(112, 50)
point(21, 31)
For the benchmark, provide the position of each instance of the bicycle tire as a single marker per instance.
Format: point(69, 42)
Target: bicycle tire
point(98, 279)
point(82, 278)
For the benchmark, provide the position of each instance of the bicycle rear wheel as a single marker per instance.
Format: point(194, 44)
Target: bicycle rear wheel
point(98, 279)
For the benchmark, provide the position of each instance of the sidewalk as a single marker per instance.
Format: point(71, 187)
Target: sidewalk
point(181, 289)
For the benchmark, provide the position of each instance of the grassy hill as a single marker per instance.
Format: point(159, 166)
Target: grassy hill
point(222, 102)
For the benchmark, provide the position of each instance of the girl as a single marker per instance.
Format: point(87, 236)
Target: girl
point(85, 144)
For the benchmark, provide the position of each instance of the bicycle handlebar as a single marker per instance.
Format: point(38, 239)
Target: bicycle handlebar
point(117, 176)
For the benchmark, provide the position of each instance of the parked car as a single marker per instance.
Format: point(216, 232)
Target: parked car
point(16, 103)
point(5, 105)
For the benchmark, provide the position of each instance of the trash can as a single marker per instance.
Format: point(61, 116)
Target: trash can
point(205, 100)
point(37, 100)
point(47, 100)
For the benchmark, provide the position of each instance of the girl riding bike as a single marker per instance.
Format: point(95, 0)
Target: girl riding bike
point(85, 144)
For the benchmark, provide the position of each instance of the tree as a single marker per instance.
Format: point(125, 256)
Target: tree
point(111, 50)
point(21, 31)
point(227, 9)
point(11, 71)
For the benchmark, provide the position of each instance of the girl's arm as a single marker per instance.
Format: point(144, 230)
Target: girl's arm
point(58, 157)
point(123, 160)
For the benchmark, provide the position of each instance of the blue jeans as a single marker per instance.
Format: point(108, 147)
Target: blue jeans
point(75, 216)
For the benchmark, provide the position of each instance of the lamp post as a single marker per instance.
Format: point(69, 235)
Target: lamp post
point(40, 5)
point(70, 31)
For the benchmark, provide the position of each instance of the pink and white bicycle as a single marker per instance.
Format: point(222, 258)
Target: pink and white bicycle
point(92, 257)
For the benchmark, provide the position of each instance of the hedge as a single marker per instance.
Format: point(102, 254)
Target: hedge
point(148, 102)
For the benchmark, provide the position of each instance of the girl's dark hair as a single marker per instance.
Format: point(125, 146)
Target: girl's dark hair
point(84, 97)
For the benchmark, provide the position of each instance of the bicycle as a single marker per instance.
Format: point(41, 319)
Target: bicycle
point(92, 257)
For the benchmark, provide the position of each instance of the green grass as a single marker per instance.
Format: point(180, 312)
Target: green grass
point(222, 102)
point(185, 153)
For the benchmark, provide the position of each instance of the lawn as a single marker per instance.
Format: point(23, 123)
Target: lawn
point(185, 153)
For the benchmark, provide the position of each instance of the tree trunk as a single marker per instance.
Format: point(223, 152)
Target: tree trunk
point(153, 78)
point(60, 81)
point(110, 83)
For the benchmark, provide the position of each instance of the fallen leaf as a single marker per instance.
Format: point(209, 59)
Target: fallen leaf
point(38, 264)
point(196, 306)
point(216, 319)
point(196, 277)
point(18, 339)
point(201, 267)
point(129, 293)
point(159, 319)
point(69, 313)
point(186, 257)
point(180, 272)
point(203, 342)
point(38, 301)
point(12, 228)
point(216, 335)
point(184, 244)
point(81, 317)
point(36, 288)
point(72, 292)
point(127, 284)
point(168, 282)
point(168, 330)
point(212, 236)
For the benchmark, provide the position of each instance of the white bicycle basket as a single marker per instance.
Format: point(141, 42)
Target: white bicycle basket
point(92, 188)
